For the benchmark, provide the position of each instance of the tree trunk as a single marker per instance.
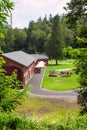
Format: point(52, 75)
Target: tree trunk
point(56, 61)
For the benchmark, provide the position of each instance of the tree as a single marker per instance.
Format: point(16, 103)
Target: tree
point(10, 96)
point(82, 36)
point(20, 39)
point(8, 40)
point(5, 8)
point(56, 42)
point(1, 51)
point(81, 66)
point(67, 52)
point(30, 42)
point(67, 32)
point(38, 36)
point(78, 11)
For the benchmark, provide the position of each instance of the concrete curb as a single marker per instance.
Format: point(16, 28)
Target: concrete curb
point(67, 98)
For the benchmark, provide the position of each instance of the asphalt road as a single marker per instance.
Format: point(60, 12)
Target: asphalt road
point(36, 89)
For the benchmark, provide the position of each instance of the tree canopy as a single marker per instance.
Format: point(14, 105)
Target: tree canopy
point(77, 13)
point(10, 95)
point(56, 42)
point(76, 9)
point(5, 8)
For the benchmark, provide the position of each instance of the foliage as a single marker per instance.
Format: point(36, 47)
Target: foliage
point(76, 10)
point(8, 40)
point(38, 34)
point(1, 51)
point(82, 36)
point(36, 38)
point(70, 52)
point(76, 16)
point(56, 42)
point(20, 37)
point(68, 35)
point(81, 66)
point(67, 52)
point(10, 96)
point(5, 8)
point(12, 122)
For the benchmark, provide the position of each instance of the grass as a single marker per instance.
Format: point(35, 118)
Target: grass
point(66, 61)
point(60, 83)
point(38, 107)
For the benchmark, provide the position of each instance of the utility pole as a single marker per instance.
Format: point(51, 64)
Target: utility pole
point(11, 19)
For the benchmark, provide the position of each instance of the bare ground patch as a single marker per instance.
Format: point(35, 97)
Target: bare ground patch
point(41, 107)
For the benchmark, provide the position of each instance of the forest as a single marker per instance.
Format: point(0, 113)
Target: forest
point(40, 36)
point(37, 38)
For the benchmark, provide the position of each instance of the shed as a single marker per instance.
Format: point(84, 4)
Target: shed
point(22, 63)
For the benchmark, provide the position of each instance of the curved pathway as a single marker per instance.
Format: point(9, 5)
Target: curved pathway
point(37, 91)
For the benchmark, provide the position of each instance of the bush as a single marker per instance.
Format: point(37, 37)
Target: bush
point(15, 122)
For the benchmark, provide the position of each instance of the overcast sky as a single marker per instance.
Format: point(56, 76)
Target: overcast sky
point(28, 10)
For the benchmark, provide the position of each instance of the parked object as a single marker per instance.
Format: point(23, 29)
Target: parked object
point(39, 66)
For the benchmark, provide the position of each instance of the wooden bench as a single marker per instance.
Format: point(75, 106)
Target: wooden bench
point(65, 74)
point(52, 74)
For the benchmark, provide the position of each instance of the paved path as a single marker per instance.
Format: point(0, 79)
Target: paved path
point(36, 89)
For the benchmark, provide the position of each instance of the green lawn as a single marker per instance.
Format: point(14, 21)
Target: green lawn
point(60, 83)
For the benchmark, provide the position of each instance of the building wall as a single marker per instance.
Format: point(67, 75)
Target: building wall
point(12, 64)
point(28, 73)
point(24, 74)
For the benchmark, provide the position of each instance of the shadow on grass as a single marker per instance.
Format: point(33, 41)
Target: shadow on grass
point(54, 65)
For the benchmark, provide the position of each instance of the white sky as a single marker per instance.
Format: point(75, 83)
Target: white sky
point(28, 10)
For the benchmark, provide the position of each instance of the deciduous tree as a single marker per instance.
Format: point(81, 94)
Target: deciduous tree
point(77, 9)
point(9, 93)
point(5, 8)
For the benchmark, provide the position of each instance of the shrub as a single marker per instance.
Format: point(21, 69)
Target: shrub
point(15, 122)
